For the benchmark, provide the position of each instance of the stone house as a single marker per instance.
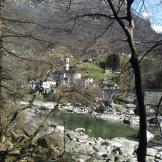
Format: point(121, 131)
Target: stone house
point(66, 77)
point(108, 90)
point(36, 85)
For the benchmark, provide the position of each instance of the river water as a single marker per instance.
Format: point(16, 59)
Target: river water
point(94, 127)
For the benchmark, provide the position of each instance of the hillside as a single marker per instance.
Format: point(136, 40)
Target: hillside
point(92, 70)
point(55, 30)
point(59, 27)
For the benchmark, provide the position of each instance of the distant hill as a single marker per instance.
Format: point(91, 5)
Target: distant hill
point(80, 37)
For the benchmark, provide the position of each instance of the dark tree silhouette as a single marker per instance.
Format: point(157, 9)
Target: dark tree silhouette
point(113, 61)
point(122, 14)
point(128, 28)
point(1, 48)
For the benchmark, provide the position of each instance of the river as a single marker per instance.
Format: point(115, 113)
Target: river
point(94, 127)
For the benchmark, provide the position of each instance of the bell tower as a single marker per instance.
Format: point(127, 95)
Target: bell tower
point(66, 59)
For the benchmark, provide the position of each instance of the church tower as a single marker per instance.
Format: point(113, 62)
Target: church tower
point(66, 59)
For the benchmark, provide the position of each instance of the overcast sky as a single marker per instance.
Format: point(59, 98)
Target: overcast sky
point(152, 10)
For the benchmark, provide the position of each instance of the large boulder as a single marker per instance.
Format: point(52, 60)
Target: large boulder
point(53, 141)
point(150, 159)
point(85, 149)
point(150, 136)
point(159, 156)
point(24, 117)
point(130, 105)
point(151, 152)
point(127, 147)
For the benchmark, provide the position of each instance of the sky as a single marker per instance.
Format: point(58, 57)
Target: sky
point(151, 10)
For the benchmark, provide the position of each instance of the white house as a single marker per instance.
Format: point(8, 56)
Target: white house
point(47, 86)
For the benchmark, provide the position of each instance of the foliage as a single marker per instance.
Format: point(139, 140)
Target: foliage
point(91, 70)
point(80, 94)
point(155, 82)
point(102, 65)
point(151, 73)
point(101, 58)
point(113, 61)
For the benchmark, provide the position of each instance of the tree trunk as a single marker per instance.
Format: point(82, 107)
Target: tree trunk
point(141, 151)
point(1, 49)
point(1, 54)
point(129, 31)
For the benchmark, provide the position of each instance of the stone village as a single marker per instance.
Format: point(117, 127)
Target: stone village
point(68, 77)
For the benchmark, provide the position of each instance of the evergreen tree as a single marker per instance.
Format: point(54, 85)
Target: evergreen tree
point(113, 61)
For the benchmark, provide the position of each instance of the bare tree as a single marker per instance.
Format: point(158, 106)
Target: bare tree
point(117, 11)
point(126, 22)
